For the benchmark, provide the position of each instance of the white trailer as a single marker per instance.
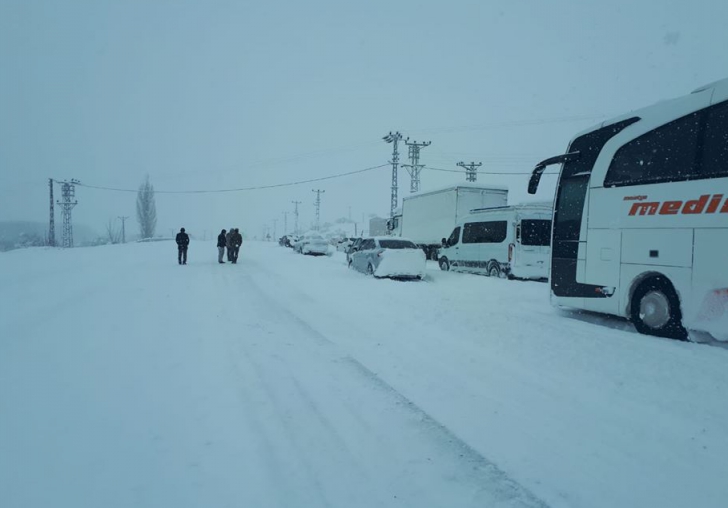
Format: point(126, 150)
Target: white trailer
point(427, 217)
point(506, 241)
point(640, 225)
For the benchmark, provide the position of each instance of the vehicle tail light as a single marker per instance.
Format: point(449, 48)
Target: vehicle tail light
point(510, 252)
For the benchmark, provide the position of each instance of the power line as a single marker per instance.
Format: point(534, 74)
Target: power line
point(241, 189)
point(485, 173)
point(276, 160)
point(511, 123)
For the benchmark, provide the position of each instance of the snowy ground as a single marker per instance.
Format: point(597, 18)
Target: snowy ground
point(286, 381)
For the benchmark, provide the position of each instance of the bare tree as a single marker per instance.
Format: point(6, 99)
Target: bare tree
point(112, 232)
point(146, 209)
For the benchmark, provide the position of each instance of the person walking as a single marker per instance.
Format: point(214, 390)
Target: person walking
point(183, 241)
point(221, 244)
point(229, 244)
point(237, 240)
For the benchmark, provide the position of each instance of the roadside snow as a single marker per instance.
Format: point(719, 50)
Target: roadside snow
point(289, 380)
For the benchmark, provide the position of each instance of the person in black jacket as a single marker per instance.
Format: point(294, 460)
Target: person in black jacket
point(237, 240)
point(229, 244)
point(221, 244)
point(183, 241)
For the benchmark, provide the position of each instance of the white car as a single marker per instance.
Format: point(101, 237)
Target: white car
point(389, 257)
point(314, 244)
point(344, 244)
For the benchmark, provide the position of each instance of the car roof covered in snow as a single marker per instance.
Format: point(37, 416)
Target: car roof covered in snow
point(378, 238)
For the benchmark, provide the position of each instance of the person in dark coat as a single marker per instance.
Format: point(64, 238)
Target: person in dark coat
point(183, 241)
point(221, 244)
point(237, 240)
point(229, 244)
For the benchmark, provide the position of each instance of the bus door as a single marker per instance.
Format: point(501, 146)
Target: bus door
point(569, 244)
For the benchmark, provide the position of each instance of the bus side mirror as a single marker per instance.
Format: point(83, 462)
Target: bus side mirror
point(444, 242)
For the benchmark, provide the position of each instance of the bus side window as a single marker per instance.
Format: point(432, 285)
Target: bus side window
point(715, 145)
point(665, 154)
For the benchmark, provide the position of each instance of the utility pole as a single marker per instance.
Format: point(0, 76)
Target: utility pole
point(471, 170)
point(123, 228)
point(318, 207)
point(52, 222)
point(68, 193)
point(295, 214)
point(285, 223)
point(275, 229)
point(415, 167)
point(393, 138)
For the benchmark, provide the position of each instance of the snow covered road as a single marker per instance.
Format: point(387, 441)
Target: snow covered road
point(127, 380)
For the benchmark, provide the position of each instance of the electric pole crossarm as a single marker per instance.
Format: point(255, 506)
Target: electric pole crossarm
point(415, 167)
point(471, 170)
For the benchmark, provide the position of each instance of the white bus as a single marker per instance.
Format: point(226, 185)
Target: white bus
point(640, 224)
point(503, 241)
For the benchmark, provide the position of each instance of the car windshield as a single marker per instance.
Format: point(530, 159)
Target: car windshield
point(396, 244)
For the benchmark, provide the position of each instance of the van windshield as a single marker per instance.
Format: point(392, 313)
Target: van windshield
point(536, 232)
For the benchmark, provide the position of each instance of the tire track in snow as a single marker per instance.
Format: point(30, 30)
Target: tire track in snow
point(493, 482)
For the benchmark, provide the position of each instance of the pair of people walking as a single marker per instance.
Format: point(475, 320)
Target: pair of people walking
point(232, 240)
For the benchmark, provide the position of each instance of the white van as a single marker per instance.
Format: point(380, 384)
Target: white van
point(506, 241)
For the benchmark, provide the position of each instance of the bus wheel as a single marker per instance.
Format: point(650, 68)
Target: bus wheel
point(494, 269)
point(444, 264)
point(655, 309)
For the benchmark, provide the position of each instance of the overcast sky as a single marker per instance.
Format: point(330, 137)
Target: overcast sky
point(214, 95)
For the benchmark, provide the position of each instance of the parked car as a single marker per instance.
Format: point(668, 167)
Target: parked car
point(353, 247)
point(293, 241)
point(389, 257)
point(312, 243)
point(344, 244)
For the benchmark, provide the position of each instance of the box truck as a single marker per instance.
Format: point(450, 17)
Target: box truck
point(427, 217)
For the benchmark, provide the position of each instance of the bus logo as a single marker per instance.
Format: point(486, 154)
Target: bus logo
point(704, 204)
